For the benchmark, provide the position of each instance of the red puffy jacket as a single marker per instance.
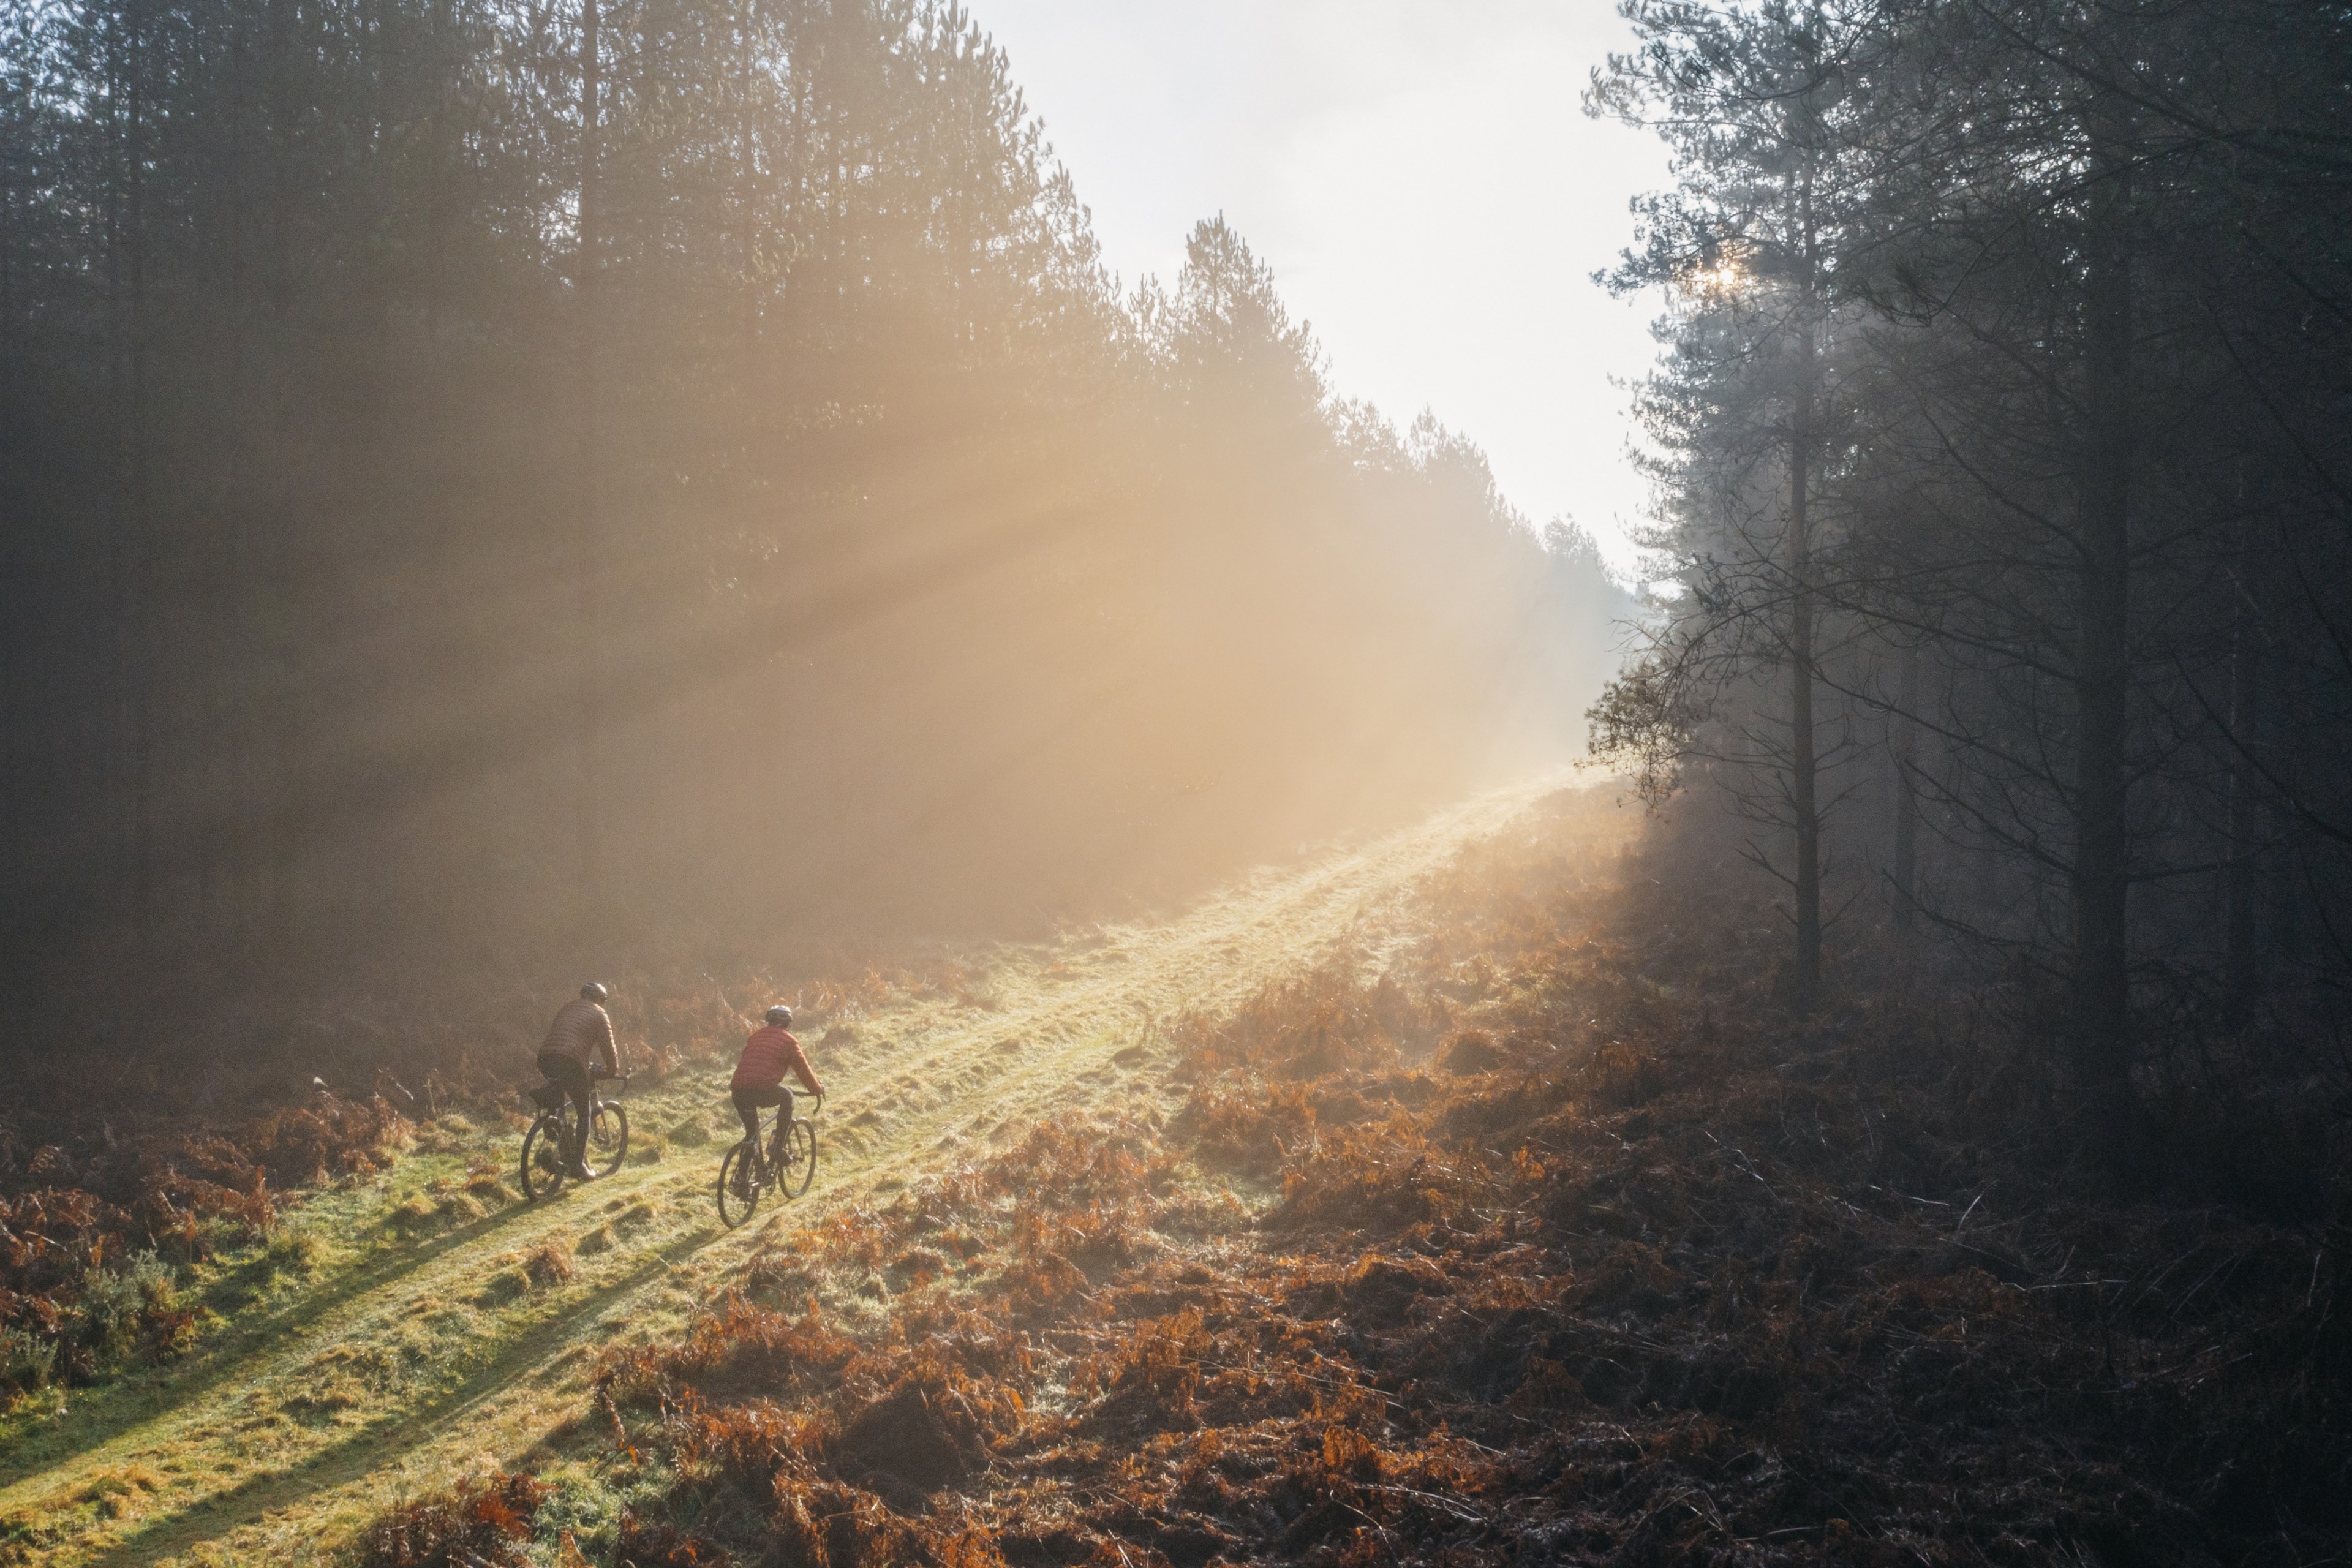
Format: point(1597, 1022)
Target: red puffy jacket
point(766, 1055)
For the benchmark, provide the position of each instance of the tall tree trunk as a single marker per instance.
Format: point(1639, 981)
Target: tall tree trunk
point(2241, 881)
point(110, 621)
point(134, 533)
point(2102, 681)
point(1805, 975)
point(246, 827)
point(278, 571)
point(1805, 978)
point(587, 823)
point(2294, 924)
point(114, 803)
point(1906, 871)
point(440, 176)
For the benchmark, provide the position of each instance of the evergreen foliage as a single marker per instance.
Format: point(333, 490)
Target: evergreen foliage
point(479, 469)
point(2001, 435)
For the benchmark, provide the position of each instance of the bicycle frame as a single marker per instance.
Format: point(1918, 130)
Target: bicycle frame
point(763, 1159)
point(565, 1112)
point(771, 1146)
point(562, 1132)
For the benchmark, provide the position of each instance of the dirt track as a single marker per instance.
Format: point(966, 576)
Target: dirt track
point(416, 1365)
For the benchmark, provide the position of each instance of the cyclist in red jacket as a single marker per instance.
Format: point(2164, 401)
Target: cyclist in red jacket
point(759, 1081)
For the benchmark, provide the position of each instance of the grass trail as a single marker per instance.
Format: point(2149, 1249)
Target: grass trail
point(405, 1362)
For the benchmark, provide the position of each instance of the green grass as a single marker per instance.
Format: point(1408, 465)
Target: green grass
point(412, 1327)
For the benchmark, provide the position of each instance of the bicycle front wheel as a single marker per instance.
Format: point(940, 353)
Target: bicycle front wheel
point(797, 1163)
point(739, 1187)
point(608, 1138)
point(542, 1157)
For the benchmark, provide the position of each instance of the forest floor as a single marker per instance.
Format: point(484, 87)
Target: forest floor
point(1464, 1197)
point(419, 1326)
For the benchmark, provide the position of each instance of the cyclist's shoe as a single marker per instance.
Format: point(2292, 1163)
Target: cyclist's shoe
point(579, 1172)
point(741, 1185)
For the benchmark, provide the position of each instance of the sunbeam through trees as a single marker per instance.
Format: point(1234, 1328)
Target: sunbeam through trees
point(482, 471)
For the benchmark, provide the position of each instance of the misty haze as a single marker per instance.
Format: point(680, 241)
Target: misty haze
point(861, 783)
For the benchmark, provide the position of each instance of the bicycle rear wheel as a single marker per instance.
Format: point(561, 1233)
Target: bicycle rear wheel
point(738, 1198)
point(797, 1163)
point(542, 1157)
point(608, 1138)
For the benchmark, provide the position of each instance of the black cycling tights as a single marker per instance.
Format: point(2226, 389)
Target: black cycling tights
point(572, 1077)
point(750, 1102)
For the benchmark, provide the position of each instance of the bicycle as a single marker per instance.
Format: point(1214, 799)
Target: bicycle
point(789, 1164)
point(543, 1166)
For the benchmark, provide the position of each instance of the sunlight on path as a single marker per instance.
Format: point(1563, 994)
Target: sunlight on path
point(457, 1364)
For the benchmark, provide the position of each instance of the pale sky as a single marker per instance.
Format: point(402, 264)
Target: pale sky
point(1422, 177)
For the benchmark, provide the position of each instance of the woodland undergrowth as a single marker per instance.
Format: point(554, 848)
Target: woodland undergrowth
point(1554, 1242)
point(116, 1186)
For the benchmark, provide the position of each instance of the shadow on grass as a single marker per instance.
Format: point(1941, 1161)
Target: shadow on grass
point(379, 1446)
point(99, 1415)
point(375, 1448)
